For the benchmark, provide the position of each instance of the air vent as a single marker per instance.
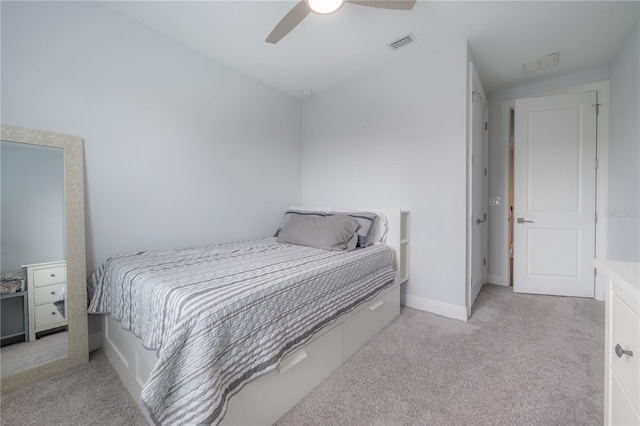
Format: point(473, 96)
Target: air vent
point(541, 63)
point(409, 38)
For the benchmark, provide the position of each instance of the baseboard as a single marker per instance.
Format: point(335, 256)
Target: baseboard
point(434, 307)
point(95, 341)
point(495, 279)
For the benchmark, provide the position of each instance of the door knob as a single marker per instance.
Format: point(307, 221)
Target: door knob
point(620, 351)
point(522, 220)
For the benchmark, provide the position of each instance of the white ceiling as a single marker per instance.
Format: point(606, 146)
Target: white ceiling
point(325, 51)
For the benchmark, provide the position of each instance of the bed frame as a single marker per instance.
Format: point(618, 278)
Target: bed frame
point(269, 397)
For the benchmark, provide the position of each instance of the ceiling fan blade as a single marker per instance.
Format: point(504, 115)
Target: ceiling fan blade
point(289, 22)
point(386, 4)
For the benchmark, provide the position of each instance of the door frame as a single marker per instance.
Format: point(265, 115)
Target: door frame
point(602, 173)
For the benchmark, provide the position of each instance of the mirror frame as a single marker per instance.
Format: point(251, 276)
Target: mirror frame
point(73, 148)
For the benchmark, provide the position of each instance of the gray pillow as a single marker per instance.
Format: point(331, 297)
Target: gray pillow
point(289, 213)
point(336, 232)
point(367, 229)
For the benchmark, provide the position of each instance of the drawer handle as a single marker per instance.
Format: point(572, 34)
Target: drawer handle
point(53, 313)
point(376, 305)
point(296, 359)
point(53, 275)
point(620, 351)
point(53, 292)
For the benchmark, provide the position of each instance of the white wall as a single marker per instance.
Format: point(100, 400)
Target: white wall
point(179, 149)
point(495, 150)
point(397, 138)
point(624, 152)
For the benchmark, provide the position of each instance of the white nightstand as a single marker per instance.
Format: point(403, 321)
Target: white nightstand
point(45, 282)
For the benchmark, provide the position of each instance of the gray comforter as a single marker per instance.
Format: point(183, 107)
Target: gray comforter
point(221, 316)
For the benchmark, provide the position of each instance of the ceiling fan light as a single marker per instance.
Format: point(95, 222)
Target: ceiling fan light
point(324, 7)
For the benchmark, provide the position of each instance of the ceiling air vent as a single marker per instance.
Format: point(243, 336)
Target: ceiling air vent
point(541, 63)
point(409, 38)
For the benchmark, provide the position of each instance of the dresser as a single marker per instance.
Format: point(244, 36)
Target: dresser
point(46, 285)
point(622, 341)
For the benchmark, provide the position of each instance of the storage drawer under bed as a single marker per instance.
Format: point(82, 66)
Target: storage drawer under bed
point(266, 399)
point(369, 320)
point(302, 371)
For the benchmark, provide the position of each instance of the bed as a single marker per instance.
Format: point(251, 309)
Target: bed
point(249, 327)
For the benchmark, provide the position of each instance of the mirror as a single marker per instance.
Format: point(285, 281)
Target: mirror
point(44, 319)
point(33, 323)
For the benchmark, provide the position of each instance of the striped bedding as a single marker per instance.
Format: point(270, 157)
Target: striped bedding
point(220, 316)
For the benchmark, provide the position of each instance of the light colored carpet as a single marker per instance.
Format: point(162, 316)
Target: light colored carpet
point(22, 356)
point(89, 395)
point(520, 360)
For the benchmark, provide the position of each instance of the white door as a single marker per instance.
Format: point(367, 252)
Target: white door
point(555, 182)
point(479, 202)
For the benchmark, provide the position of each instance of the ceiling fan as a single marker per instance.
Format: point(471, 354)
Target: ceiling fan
point(324, 7)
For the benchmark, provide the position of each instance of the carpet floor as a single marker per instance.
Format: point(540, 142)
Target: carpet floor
point(23, 356)
point(520, 360)
point(89, 395)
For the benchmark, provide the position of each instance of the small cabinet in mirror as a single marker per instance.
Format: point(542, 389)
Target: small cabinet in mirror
point(43, 306)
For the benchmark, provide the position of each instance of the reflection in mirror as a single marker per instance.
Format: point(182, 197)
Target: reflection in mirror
point(42, 233)
point(33, 267)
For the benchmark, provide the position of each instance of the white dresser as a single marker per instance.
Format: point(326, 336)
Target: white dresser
point(46, 282)
point(622, 341)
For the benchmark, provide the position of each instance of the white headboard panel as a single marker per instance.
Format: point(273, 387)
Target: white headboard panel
point(398, 240)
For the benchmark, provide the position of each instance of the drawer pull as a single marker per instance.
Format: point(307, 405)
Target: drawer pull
point(53, 292)
point(53, 275)
point(297, 358)
point(620, 351)
point(53, 313)
point(376, 305)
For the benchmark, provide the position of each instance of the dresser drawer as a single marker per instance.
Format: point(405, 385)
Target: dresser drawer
point(48, 294)
point(48, 316)
point(368, 321)
point(622, 412)
point(48, 276)
point(625, 331)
